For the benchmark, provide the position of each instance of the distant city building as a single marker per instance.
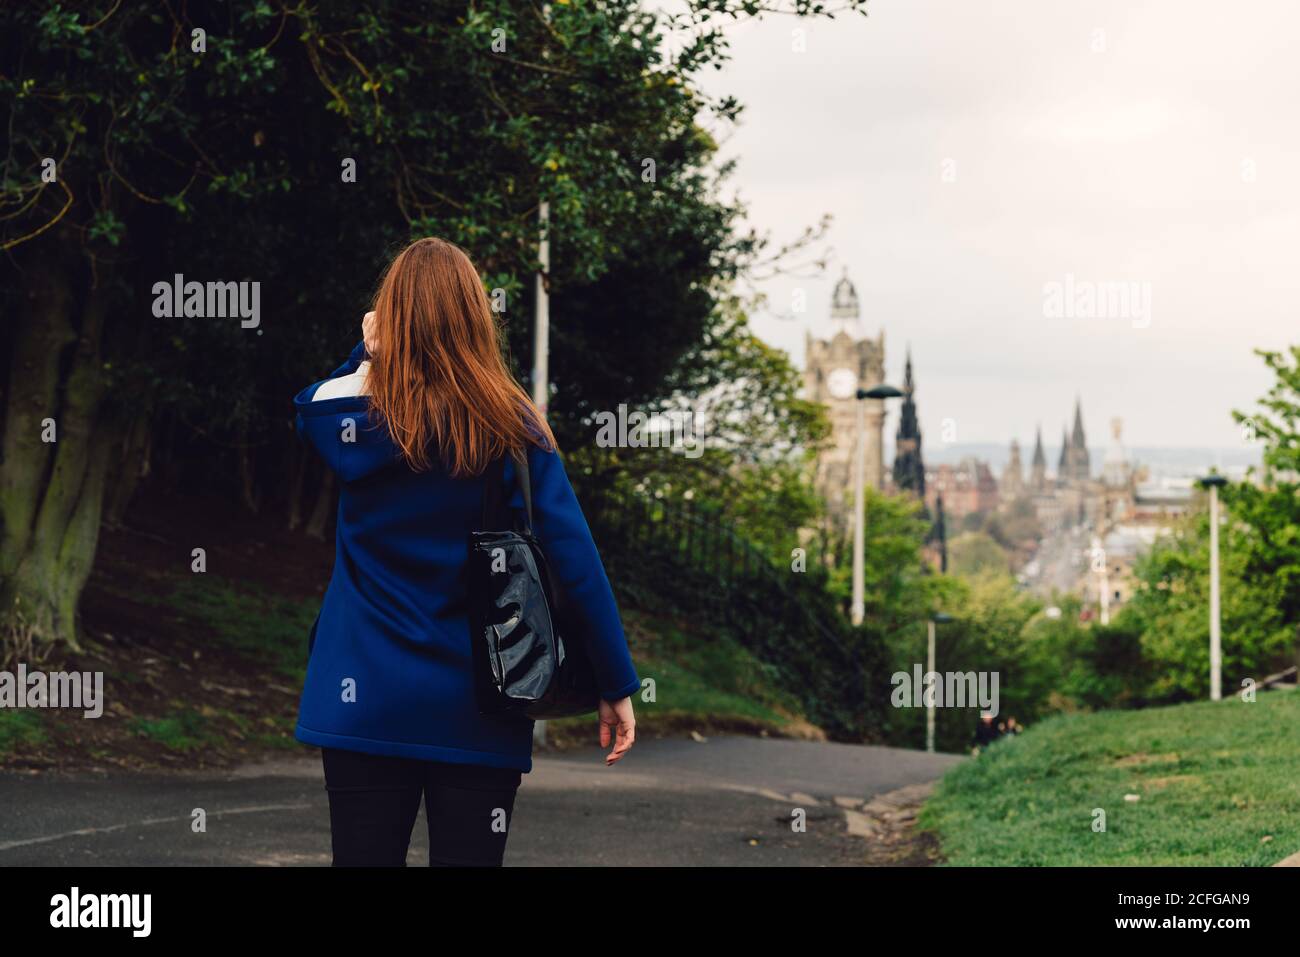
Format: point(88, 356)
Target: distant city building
point(834, 370)
point(1038, 467)
point(1162, 502)
point(1121, 548)
point(1116, 470)
point(1071, 497)
point(1122, 512)
point(966, 488)
point(1074, 464)
point(1012, 485)
point(909, 472)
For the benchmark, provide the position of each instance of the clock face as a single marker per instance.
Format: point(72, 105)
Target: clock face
point(842, 383)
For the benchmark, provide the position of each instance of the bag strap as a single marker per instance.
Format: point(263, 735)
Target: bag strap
point(524, 480)
point(525, 483)
point(494, 492)
point(493, 495)
point(495, 503)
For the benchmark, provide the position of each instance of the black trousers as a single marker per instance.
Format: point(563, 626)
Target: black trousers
point(374, 801)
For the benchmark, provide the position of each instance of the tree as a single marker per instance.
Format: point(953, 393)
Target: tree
point(987, 636)
point(751, 435)
point(212, 135)
point(1171, 601)
point(107, 124)
point(1271, 507)
point(973, 553)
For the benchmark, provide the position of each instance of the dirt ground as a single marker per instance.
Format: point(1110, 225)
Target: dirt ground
point(160, 663)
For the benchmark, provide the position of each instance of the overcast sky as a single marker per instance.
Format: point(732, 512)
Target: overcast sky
point(1143, 142)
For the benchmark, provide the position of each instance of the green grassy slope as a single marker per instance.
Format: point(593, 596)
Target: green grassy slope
point(204, 668)
point(1217, 783)
point(702, 682)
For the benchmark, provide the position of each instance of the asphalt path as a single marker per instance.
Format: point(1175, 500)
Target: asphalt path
point(727, 801)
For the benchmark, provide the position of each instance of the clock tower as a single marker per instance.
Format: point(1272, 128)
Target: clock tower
point(834, 370)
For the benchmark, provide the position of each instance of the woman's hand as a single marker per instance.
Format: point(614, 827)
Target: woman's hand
point(368, 333)
point(618, 717)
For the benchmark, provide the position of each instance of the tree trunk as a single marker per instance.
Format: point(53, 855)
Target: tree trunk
point(51, 492)
point(135, 463)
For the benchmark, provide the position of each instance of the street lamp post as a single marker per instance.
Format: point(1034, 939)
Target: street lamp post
point(542, 352)
point(939, 618)
point(542, 314)
point(858, 611)
point(1100, 566)
point(1214, 482)
point(941, 522)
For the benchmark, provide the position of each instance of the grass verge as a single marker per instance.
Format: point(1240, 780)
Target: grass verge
point(706, 683)
point(1209, 783)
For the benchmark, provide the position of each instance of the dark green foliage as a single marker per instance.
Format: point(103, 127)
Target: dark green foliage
point(689, 566)
point(210, 139)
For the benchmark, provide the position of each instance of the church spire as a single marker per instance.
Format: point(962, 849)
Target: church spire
point(1079, 464)
point(909, 472)
point(1038, 465)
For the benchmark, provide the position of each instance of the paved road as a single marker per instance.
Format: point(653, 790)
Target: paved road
point(1061, 560)
point(725, 801)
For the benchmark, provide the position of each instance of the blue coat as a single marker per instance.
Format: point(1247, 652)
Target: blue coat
point(389, 662)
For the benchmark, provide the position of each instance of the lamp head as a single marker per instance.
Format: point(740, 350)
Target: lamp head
point(879, 392)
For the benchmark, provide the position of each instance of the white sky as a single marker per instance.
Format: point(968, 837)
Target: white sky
point(1122, 165)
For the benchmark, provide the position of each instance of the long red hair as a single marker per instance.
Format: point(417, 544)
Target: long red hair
point(438, 379)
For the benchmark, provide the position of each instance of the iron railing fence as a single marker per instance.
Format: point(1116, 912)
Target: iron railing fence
point(686, 559)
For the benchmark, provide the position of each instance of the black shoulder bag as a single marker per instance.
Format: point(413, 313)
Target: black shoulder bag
point(521, 663)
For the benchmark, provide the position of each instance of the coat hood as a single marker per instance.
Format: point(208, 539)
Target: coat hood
point(345, 435)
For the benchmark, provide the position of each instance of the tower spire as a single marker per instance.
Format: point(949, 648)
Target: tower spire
point(1038, 467)
point(909, 471)
point(844, 302)
point(1080, 464)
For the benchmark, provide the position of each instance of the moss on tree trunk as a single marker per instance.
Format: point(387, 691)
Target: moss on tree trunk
point(57, 442)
